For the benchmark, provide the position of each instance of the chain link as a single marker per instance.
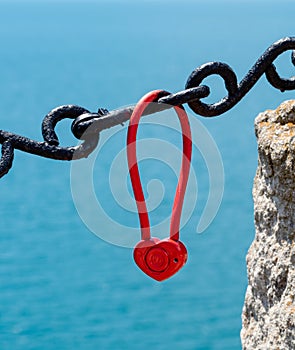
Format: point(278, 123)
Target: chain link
point(87, 126)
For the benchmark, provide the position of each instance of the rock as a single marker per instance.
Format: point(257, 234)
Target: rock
point(269, 310)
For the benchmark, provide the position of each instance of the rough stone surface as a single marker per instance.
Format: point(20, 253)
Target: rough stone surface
point(269, 309)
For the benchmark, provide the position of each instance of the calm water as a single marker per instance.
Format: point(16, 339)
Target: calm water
point(61, 286)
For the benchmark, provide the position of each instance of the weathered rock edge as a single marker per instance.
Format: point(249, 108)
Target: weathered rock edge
point(269, 310)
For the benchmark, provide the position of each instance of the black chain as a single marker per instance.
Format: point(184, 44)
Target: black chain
point(87, 126)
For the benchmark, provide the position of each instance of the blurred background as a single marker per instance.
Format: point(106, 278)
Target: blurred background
point(61, 286)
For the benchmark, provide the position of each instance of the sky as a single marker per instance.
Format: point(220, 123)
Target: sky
point(151, 1)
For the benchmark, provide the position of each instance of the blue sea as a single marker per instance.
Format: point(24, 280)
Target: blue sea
point(62, 286)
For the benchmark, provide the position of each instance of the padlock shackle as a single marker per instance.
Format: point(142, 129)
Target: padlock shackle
point(145, 101)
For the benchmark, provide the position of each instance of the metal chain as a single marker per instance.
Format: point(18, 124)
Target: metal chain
point(87, 126)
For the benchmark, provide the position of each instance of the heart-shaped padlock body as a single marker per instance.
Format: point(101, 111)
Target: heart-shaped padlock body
point(160, 259)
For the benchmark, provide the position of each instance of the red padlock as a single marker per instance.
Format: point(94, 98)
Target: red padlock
point(159, 259)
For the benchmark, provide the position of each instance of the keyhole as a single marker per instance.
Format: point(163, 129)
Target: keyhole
point(175, 260)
